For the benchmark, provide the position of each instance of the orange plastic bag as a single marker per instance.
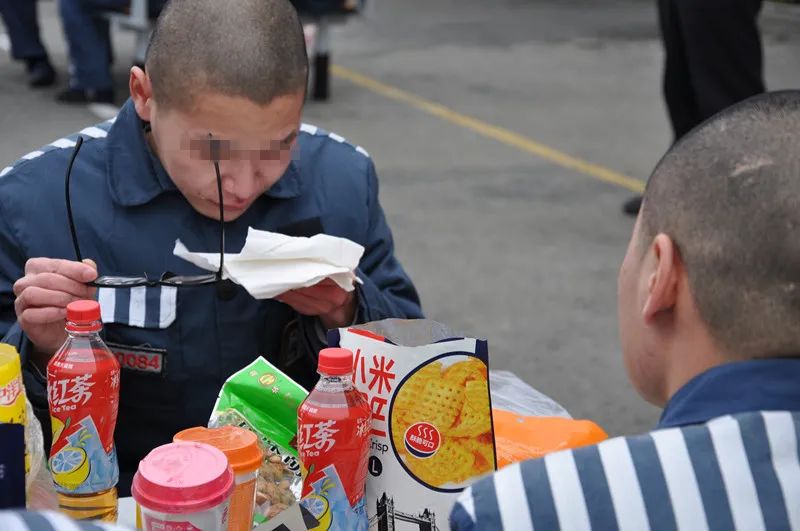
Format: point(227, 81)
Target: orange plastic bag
point(519, 437)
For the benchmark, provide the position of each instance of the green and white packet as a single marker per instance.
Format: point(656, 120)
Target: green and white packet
point(262, 399)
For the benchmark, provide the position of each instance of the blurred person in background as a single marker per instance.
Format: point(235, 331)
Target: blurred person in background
point(714, 59)
point(19, 17)
point(90, 53)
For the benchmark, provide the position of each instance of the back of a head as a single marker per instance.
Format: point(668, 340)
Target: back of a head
point(728, 194)
point(248, 48)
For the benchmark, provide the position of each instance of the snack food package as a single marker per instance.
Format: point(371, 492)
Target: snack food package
point(529, 424)
point(521, 437)
point(262, 399)
point(431, 434)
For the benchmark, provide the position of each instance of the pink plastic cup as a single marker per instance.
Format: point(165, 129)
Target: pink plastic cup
point(184, 486)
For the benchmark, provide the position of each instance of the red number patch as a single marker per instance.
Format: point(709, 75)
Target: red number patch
point(140, 362)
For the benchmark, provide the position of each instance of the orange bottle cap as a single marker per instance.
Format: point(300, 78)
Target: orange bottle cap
point(239, 445)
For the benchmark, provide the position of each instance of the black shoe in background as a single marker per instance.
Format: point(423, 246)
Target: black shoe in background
point(74, 95)
point(631, 206)
point(40, 73)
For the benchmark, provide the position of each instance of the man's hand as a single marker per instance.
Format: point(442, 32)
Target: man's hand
point(42, 296)
point(334, 306)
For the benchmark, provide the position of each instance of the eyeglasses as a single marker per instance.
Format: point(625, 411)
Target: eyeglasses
point(166, 279)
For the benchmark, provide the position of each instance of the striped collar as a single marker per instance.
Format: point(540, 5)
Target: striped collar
point(136, 176)
point(738, 387)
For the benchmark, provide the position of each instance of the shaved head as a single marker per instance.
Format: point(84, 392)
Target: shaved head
point(728, 194)
point(248, 48)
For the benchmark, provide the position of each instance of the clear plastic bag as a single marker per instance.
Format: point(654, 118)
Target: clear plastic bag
point(512, 394)
point(529, 424)
point(41, 493)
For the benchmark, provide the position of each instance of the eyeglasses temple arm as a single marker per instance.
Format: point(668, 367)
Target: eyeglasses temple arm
point(70, 219)
point(215, 156)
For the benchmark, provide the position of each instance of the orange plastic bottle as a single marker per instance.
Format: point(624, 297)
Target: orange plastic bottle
point(244, 455)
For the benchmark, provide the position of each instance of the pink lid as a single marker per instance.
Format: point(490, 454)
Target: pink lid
point(183, 477)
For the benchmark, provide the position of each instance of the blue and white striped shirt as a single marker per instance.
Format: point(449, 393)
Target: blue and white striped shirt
point(734, 471)
point(48, 521)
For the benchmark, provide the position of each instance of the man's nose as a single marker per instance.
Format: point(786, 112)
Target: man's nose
point(242, 180)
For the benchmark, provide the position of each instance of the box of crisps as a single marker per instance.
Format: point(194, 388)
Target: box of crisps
point(431, 417)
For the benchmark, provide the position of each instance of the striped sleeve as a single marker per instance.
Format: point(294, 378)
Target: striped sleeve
point(48, 521)
point(684, 493)
point(783, 432)
point(460, 518)
point(11, 521)
point(733, 472)
point(737, 474)
point(499, 501)
point(618, 484)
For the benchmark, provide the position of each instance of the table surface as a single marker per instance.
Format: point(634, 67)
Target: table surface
point(127, 513)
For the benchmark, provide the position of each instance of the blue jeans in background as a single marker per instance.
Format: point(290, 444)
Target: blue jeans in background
point(19, 17)
point(89, 41)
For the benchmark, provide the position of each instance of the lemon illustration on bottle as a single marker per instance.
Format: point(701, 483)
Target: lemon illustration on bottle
point(70, 467)
point(57, 426)
point(319, 507)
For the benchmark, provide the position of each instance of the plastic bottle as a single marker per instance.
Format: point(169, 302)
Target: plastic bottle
point(334, 426)
point(12, 431)
point(83, 380)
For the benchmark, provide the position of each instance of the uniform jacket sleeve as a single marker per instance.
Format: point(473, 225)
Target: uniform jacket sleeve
point(12, 268)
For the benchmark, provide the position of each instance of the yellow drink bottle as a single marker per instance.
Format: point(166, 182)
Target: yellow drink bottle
point(12, 393)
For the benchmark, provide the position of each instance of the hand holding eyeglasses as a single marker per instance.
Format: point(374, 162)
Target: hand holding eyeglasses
point(42, 296)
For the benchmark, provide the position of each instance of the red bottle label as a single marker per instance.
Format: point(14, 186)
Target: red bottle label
point(334, 430)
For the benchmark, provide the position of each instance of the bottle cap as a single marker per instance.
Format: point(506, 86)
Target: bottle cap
point(335, 361)
point(83, 312)
point(239, 445)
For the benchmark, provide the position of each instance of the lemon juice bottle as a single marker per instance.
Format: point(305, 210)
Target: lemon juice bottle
point(83, 395)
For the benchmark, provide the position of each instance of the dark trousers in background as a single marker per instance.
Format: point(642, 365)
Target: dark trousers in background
point(89, 41)
point(19, 17)
point(714, 57)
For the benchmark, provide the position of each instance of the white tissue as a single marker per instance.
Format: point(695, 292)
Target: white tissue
point(271, 264)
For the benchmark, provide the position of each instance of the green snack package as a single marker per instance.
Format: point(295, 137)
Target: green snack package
point(264, 400)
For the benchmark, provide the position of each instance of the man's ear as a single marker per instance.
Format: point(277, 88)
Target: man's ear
point(662, 284)
point(141, 93)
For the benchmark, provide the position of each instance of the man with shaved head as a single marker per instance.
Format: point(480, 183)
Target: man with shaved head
point(709, 319)
point(211, 132)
